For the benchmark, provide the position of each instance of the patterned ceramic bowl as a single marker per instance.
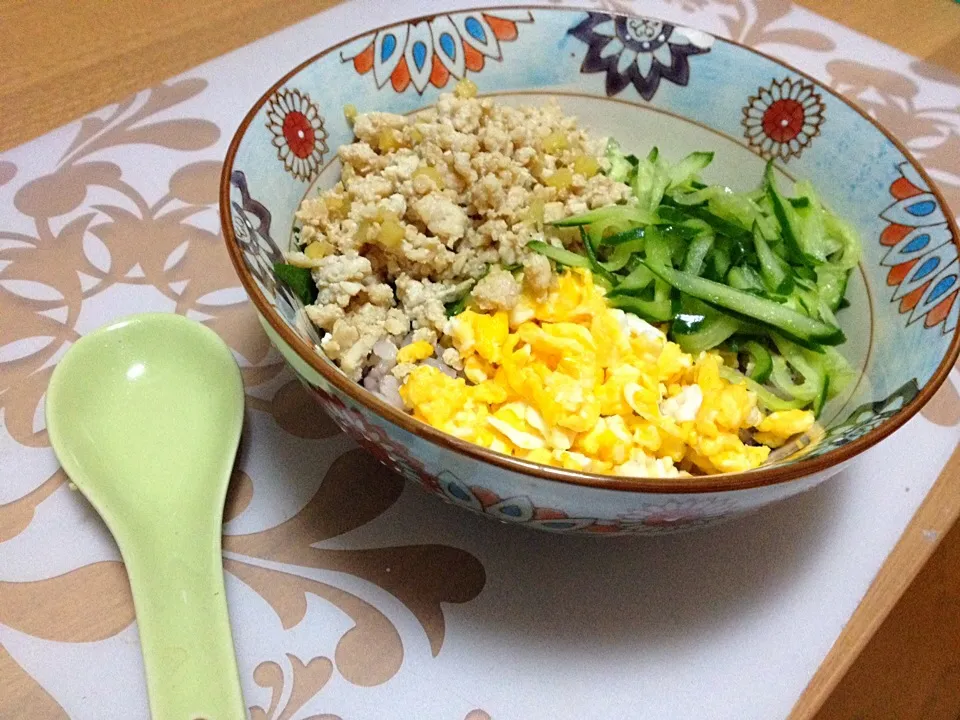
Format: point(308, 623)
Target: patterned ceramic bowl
point(645, 82)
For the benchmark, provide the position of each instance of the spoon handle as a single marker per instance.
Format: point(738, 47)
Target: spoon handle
point(176, 577)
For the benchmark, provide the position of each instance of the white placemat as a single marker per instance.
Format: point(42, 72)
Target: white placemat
point(351, 595)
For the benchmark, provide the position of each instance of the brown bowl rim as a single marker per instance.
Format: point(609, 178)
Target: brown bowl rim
point(762, 477)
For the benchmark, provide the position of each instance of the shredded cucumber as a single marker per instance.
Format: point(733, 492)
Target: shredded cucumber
point(759, 275)
point(564, 257)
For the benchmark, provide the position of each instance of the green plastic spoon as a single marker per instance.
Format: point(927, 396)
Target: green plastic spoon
point(145, 417)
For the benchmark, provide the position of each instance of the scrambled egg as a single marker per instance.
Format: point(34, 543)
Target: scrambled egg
point(569, 382)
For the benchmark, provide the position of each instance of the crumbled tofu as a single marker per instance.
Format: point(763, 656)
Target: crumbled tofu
point(537, 274)
point(425, 334)
point(380, 294)
point(338, 278)
point(299, 259)
point(423, 301)
point(324, 316)
point(352, 337)
point(452, 358)
point(368, 126)
point(401, 370)
point(428, 203)
point(443, 217)
point(396, 323)
point(497, 291)
point(361, 157)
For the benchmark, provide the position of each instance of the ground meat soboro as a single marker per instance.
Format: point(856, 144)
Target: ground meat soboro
point(434, 204)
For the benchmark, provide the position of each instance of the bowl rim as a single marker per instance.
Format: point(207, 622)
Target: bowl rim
point(760, 477)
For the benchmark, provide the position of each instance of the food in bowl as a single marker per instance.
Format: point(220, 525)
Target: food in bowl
point(506, 278)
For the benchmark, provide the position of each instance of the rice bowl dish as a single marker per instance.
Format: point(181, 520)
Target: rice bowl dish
point(505, 277)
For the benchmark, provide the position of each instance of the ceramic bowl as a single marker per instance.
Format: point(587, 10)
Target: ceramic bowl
point(645, 82)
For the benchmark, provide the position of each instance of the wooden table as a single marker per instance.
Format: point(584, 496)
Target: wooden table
point(899, 656)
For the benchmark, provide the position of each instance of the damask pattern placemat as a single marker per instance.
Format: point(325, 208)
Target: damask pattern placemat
point(351, 595)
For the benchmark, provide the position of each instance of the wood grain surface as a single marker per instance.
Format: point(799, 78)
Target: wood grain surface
point(894, 660)
point(910, 669)
point(901, 661)
point(58, 64)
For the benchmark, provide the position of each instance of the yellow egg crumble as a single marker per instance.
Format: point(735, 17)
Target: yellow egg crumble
point(569, 382)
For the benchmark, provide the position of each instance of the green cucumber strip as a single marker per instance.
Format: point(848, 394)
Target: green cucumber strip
point(649, 310)
point(720, 225)
point(822, 236)
point(787, 218)
point(698, 326)
point(677, 247)
point(781, 378)
point(610, 281)
point(744, 277)
point(299, 280)
point(697, 253)
point(808, 364)
point(832, 284)
point(646, 294)
point(758, 308)
point(659, 252)
point(685, 323)
point(670, 215)
point(649, 184)
point(805, 283)
point(626, 236)
point(774, 270)
point(721, 262)
point(564, 257)
point(822, 398)
point(808, 302)
point(603, 282)
point(697, 197)
point(688, 168)
point(736, 207)
point(691, 315)
point(768, 400)
point(638, 279)
point(685, 231)
point(760, 363)
point(695, 226)
point(621, 168)
point(622, 254)
point(813, 239)
point(632, 264)
point(617, 213)
point(825, 313)
point(844, 233)
point(609, 226)
point(803, 272)
point(838, 370)
point(738, 248)
point(715, 329)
